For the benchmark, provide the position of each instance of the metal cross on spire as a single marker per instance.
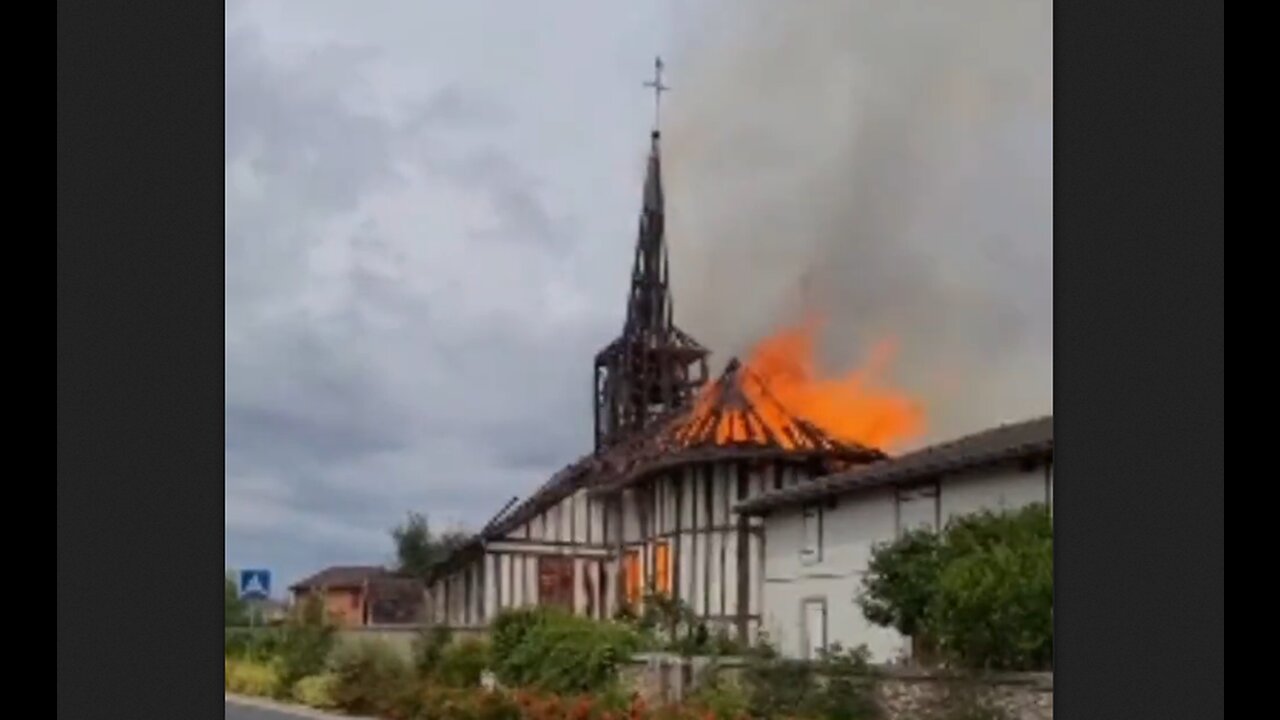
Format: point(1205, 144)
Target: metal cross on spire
point(658, 88)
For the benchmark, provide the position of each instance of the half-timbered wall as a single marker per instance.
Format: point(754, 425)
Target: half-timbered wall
point(676, 532)
point(695, 547)
point(512, 573)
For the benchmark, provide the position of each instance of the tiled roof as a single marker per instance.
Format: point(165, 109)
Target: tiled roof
point(342, 576)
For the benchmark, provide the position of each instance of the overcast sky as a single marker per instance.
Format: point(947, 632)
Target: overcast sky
point(430, 211)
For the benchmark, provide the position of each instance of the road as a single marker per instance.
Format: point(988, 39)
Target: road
point(237, 709)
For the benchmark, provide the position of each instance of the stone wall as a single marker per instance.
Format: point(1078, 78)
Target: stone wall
point(903, 693)
point(912, 693)
point(665, 677)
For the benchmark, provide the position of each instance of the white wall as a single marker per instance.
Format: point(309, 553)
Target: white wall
point(850, 529)
point(998, 489)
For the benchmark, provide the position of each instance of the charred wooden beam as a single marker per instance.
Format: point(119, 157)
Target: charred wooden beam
point(497, 517)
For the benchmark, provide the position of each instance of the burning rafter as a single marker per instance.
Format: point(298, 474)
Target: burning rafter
point(736, 416)
point(738, 410)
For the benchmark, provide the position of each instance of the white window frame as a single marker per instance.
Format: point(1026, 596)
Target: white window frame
point(811, 528)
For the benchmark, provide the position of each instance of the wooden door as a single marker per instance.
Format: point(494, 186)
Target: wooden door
point(555, 582)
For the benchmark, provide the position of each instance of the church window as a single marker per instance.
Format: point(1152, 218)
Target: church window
point(662, 567)
point(811, 550)
point(633, 580)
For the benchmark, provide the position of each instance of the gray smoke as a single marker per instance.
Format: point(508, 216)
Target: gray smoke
point(888, 164)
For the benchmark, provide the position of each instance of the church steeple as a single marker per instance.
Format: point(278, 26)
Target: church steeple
point(653, 367)
point(649, 305)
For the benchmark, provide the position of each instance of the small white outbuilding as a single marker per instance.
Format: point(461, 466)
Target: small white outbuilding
point(819, 536)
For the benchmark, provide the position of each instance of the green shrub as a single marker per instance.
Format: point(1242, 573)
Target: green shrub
point(776, 686)
point(671, 625)
point(305, 643)
point(429, 647)
point(246, 677)
point(558, 652)
point(315, 691)
point(462, 663)
point(236, 643)
point(369, 678)
point(719, 697)
point(260, 644)
point(721, 643)
point(510, 627)
point(846, 690)
point(836, 686)
point(234, 609)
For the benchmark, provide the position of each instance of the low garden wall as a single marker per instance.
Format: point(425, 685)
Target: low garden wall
point(398, 637)
point(904, 693)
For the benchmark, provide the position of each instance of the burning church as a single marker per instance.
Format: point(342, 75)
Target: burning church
point(652, 506)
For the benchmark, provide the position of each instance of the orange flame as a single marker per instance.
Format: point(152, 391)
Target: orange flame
point(854, 407)
point(781, 382)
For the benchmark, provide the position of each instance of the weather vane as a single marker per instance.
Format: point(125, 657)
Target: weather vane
point(658, 88)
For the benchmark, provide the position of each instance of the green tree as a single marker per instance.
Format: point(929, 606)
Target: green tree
point(980, 592)
point(418, 549)
point(994, 602)
point(237, 613)
point(901, 581)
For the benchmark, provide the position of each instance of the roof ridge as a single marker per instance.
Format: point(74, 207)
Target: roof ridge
point(948, 456)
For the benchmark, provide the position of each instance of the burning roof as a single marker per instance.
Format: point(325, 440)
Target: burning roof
point(738, 410)
point(734, 417)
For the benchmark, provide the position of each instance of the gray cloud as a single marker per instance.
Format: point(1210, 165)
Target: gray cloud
point(400, 315)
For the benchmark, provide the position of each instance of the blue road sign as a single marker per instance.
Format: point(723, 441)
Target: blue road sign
point(255, 584)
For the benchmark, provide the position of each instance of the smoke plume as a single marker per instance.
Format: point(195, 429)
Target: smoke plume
point(887, 165)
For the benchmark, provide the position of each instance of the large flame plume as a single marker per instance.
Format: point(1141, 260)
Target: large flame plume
point(856, 406)
point(781, 396)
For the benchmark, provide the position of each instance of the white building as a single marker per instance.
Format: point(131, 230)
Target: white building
point(819, 536)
